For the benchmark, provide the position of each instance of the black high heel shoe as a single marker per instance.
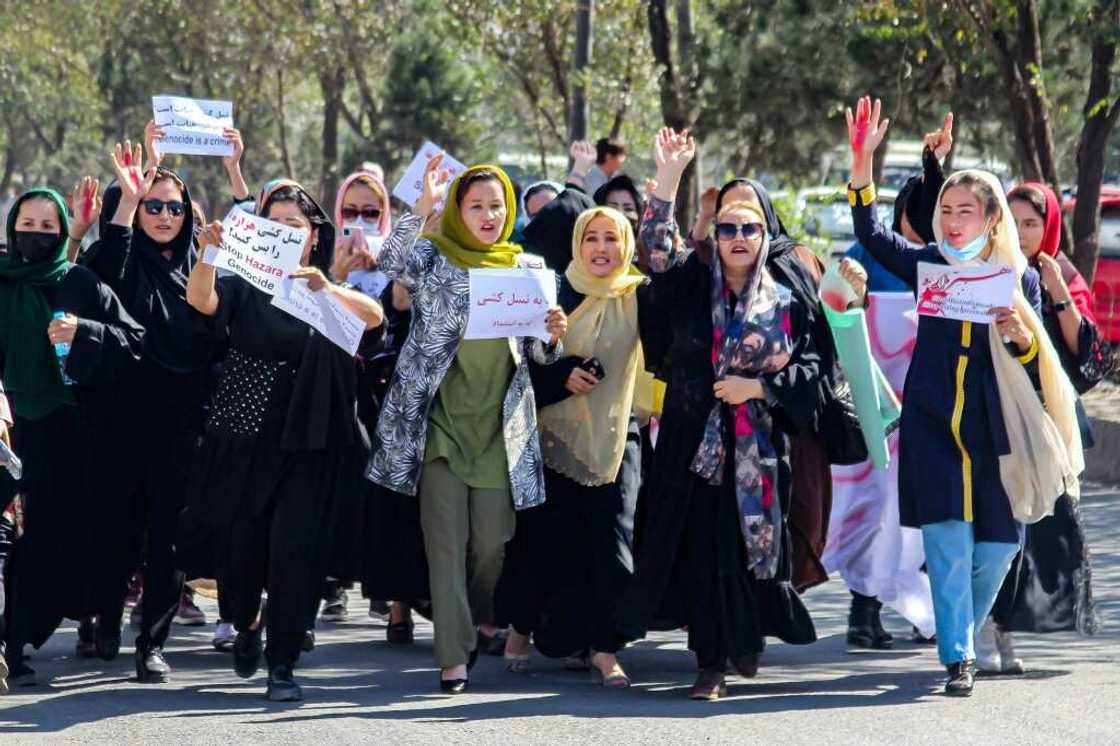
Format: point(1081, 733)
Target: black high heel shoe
point(458, 686)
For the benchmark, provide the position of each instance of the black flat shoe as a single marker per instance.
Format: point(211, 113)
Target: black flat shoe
point(962, 677)
point(308, 641)
point(453, 686)
point(247, 653)
point(491, 644)
point(151, 668)
point(399, 633)
point(281, 686)
point(85, 648)
point(746, 665)
point(107, 640)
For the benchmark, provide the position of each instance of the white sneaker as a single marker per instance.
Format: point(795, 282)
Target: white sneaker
point(1010, 663)
point(987, 654)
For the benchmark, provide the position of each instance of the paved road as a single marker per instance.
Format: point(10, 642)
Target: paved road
point(357, 689)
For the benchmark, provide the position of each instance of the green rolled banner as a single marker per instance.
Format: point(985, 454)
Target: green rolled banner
point(876, 405)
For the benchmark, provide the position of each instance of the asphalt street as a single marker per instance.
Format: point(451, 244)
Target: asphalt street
point(359, 689)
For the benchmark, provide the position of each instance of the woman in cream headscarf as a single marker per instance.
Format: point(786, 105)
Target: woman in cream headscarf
point(989, 436)
point(577, 546)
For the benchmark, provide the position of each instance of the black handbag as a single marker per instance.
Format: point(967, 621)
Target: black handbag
point(838, 424)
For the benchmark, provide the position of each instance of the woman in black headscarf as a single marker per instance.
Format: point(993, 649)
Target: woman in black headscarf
point(283, 452)
point(153, 415)
point(51, 370)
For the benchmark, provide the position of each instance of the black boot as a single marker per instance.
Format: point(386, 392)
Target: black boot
point(281, 686)
point(247, 653)
point(861, 615)
point(883, 640)
point(151, 668)
point(107, 638)
point(961, 678)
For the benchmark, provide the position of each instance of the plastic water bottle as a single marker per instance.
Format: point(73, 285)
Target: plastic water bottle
point(62, 351)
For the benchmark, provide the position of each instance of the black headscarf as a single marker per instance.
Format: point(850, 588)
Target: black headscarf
point(153, 288)
point(550, 233)
point(323, 253)
point(621, 183)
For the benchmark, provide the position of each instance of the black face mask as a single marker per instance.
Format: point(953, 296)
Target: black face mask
point(33, 247)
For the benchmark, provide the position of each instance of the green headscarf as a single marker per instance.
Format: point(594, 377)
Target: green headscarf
point(458, 244)
point(31, 372)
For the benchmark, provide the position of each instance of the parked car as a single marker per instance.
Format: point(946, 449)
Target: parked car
point(1106, 282)
point(825, 215)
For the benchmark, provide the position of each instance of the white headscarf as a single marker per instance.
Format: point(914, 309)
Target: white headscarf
point(1046, 456)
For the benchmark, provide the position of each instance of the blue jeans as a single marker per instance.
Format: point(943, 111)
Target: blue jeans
point(965, 576)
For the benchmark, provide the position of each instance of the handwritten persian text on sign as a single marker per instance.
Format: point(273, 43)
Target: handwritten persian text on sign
point(964, 293)
point(409, 188)
point(322, 311)
point(193, 126)
point(510, 303)
point(261, 251)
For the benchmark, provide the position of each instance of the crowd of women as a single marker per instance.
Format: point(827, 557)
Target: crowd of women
point(661, 462)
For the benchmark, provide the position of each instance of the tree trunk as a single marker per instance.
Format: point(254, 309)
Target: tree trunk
point(577, 116)
point(285, 154)
point(1100, 120)
point(331, 84)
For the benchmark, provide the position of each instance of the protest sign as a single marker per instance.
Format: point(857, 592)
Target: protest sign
point(260, 250)
point(510, 303)
point(193, 126)
point(964, 293)
point(322, 311)
point(410, 186)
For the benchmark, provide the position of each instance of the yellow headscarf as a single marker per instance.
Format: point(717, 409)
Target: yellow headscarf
point(584, 437)
point(458, 244)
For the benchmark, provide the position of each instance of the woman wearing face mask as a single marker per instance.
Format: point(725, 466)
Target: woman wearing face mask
point(715, 553)
point(459, 422)
point(1050, 586)
point(50, 397)
point(572, 555)
point(979, 447)
point(143, 452)
point(280, 463)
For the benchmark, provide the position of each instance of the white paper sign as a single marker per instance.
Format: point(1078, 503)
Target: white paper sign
point(510, 303)
point(964, 293)
point(411, 185)
point(260, 250)
point(192, 125)
point(323, 312)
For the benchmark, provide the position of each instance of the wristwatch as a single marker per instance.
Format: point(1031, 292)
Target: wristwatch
point(1062, 305)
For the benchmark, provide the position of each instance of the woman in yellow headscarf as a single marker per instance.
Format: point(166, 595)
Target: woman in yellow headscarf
point(576, 548)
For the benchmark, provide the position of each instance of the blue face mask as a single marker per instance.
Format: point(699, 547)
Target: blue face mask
point(969, 251)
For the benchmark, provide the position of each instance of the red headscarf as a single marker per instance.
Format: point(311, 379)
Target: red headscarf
point(384, 223)
point(1051, 240)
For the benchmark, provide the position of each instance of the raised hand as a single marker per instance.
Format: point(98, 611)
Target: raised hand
point(941, 141)
point(583, 157)
point(85, 203)
point(434, 188)
point(234, 137)
point(316, 280)
point(153, 133)
point(211, 235)
point(672, 152)
point(865, 131)
point(127, 162)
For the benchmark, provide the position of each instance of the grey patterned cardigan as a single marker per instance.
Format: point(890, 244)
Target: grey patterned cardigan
point(440, 300)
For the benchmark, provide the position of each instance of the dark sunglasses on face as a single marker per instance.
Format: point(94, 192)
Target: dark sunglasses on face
point(728, 231)
point(367, 213)
point(155, 207)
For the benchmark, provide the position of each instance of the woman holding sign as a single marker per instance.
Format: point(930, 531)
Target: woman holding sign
point(63, 335)
point(572, 557)
point(743, 371)
point(281, 457)
point(1049, 589)
point(143, 453)
point(459, 422)
point(980, 450)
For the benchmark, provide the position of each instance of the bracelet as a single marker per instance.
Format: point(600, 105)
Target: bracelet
point(75, 240)
point(1063, 305)
point(1032, 352)
point(862, 197)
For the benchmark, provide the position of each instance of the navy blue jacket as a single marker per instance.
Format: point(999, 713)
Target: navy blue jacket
point(952, 430)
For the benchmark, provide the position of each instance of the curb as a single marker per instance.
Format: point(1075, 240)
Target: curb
point(1102, 461)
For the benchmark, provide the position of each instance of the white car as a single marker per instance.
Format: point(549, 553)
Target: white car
point(826, 215)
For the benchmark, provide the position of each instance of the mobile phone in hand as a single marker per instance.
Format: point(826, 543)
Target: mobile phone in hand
point(593, 366)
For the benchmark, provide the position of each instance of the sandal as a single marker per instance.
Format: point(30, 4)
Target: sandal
point(710, 685)
point(516, 663)
point(617, 679)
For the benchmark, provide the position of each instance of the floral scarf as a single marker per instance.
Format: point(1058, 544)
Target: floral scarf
point(749, 338)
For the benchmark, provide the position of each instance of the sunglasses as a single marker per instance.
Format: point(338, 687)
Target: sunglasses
point(155, 207)
point(367, 213)
point(728, 231)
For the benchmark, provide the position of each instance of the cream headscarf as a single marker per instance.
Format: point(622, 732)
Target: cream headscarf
point(584, 437)
point(1046, 456)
